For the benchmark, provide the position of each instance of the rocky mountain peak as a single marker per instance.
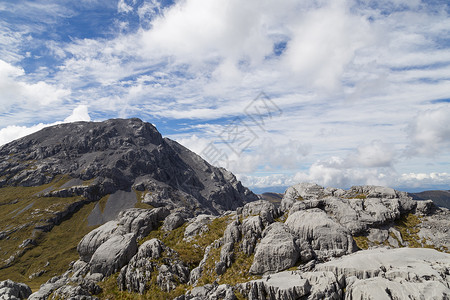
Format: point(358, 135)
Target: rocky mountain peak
point(121, 154)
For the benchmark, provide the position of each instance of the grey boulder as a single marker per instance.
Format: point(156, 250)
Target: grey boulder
point(10, 290)
point(326, 237)
point(277, 250)
point(153, 259)
point(283, 285)
point(173, 221)
point(113, 254)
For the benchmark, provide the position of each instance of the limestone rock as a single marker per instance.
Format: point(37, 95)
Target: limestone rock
point(382, 288)
point(73, 292)
point(135, 221)
point(10, 290)
point(327, 237)
point(424, 207)
point(266, 210)
point(324, 285)
point(252, 228)
point(113, 254)
point(140, 221)
point(47, 288)
point(173, 221)
point(277, 250)
point(283, 285)
point(135, 276)
point(378, 235)
point(91, 241)
point(198, 225)
point(403, 273)
point(435, 229)
point(301, 191)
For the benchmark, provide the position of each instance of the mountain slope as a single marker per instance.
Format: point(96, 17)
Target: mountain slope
point(81, 175)
point(319, 244)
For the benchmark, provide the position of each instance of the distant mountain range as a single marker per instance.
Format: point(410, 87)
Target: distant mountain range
point(440, 198)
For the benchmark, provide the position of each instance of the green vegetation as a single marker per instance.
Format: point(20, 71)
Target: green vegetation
point(299, 198)
point(54, 250)
point(407, 225)
point(57, 247)
point(140, 196)
point(190, 252)
point(238, 272)
point(102, 202)
point(357, 196)
point(361, 241)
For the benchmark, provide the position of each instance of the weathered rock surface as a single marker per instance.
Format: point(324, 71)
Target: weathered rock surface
point(315, 240)
point(357, 209)
point(404, 273)
point(198, 225)
point(210, 292)
point(283, 285)
point(435, 228)
point(10, 290)
point(136, 221)
point(252, 228)
point(153, 258)
point(277, 250)
point(301, 191)
point(173, 221)
point(113, 254)
point(326, 237)
point(266, 210)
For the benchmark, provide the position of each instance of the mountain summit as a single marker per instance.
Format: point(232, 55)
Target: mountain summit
point(120, 155)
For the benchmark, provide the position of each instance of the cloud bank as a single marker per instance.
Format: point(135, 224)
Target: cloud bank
point(362, 85)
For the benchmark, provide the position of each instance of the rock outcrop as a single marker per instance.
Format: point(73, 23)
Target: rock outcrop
point(313, 249)
point(327, 237)
point(10, 290)
point(277, 250)
point(404, 273)
point(135, 276)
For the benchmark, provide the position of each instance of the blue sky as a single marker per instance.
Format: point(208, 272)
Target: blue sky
point(335, 92)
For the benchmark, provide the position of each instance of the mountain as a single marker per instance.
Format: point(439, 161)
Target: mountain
point(112, 210)
point(368, 242)
point(274, 198)
point(440, 198)
point(65, 180)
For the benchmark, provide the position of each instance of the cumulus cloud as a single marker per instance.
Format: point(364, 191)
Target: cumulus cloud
point(348, 75)
point(324, 42)
point(16, 92)
point(430, 131)
point(13, 132)
point(80, 113)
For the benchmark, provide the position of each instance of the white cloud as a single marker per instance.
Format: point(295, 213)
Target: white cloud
point(375, 154)
point(16, 92)
point(123, 7)
point(421, 180)
point(430, 131)
point(13, 132)
point(324, 42)
point(352, 76)
point(80, 113)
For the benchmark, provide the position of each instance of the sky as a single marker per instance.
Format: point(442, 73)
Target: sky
point(336, 92)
